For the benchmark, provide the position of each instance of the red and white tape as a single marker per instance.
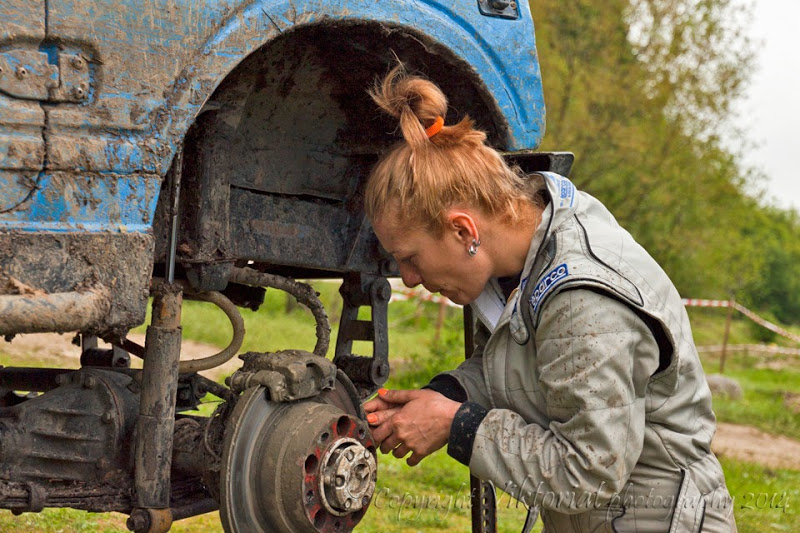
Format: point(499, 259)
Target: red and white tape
point(767, 324)
point(693, 302)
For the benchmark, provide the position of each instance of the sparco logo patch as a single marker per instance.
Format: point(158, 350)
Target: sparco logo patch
point(547, 282)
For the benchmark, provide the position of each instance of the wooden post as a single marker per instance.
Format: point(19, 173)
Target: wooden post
point(731, 305)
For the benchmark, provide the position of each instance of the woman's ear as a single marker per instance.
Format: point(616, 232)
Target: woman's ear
point(462, 224)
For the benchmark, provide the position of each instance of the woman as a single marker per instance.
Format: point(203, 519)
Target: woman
point(585, 397)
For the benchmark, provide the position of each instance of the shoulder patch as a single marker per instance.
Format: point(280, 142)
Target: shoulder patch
point(547, 282)
point(565, 190)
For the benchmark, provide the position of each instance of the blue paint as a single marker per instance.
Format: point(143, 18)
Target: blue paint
point(52, 52)
point(125, 155)
point(91, 204)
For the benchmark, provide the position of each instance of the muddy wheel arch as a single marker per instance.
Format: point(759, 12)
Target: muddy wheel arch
point(275, 162)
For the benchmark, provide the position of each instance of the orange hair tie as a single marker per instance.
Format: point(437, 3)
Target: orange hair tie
point(435, 128)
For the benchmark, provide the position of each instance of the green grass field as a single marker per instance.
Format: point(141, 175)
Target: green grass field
point(434, 495)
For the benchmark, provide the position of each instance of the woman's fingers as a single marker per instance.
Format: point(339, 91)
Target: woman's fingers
point(389, 398)
point(389, 443)
point(376, 418)
point(381, 424)
point(422, 418)
point(399, 396)
point(377, 404)
point(401, 451)
point(415, 459)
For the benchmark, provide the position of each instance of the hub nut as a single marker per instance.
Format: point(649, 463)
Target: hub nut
point(348, 477)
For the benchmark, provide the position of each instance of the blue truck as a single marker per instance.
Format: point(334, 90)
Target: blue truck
point(162, 150)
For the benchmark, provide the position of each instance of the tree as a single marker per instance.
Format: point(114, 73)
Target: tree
point(642, 92)
point(777, 288)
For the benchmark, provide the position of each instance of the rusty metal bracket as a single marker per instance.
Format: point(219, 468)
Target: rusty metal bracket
point(74, 79)
point(357, 290)
point(150, 520)
point(29, 74)
point(288, 375)
point(484, 506)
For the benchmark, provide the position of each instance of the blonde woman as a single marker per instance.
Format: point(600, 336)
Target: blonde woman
point(585, 397)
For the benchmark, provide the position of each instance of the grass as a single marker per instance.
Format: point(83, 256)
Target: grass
point(764, 499)
point(434, 496)
point(763, 401)
point(766, 380)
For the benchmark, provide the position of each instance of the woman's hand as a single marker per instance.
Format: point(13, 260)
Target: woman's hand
point(416, 421)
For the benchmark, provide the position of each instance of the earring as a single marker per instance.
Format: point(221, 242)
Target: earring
point(473, 248)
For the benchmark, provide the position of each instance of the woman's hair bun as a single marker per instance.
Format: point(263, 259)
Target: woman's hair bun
point(419, 178)
point(414, 101)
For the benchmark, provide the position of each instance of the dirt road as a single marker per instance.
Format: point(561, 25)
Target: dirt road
point(752, 445)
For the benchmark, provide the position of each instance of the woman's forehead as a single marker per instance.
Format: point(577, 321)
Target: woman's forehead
point(387, 231)
point(396, 236)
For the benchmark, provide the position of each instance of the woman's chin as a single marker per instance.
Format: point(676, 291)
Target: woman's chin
point(449, 295)
point(457, 297)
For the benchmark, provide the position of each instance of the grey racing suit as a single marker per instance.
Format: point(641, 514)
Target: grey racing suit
point(585, 397)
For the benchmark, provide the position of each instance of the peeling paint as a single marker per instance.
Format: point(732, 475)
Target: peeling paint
point(61, 201)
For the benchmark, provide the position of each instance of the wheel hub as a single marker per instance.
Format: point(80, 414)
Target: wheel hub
point(348, 477)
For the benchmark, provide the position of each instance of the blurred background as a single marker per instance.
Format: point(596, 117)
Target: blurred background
point(681, 114)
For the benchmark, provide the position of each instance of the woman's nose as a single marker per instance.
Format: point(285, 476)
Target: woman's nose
point(410, 276)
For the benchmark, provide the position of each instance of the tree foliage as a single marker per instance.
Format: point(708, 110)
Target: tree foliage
point(642, 92)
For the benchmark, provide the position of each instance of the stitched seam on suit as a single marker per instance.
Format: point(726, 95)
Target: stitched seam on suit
point(593, 335)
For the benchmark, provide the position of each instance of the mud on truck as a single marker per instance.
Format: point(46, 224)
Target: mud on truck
point(164, 150)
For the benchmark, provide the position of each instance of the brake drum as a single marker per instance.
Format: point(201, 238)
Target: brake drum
point(296, 467)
